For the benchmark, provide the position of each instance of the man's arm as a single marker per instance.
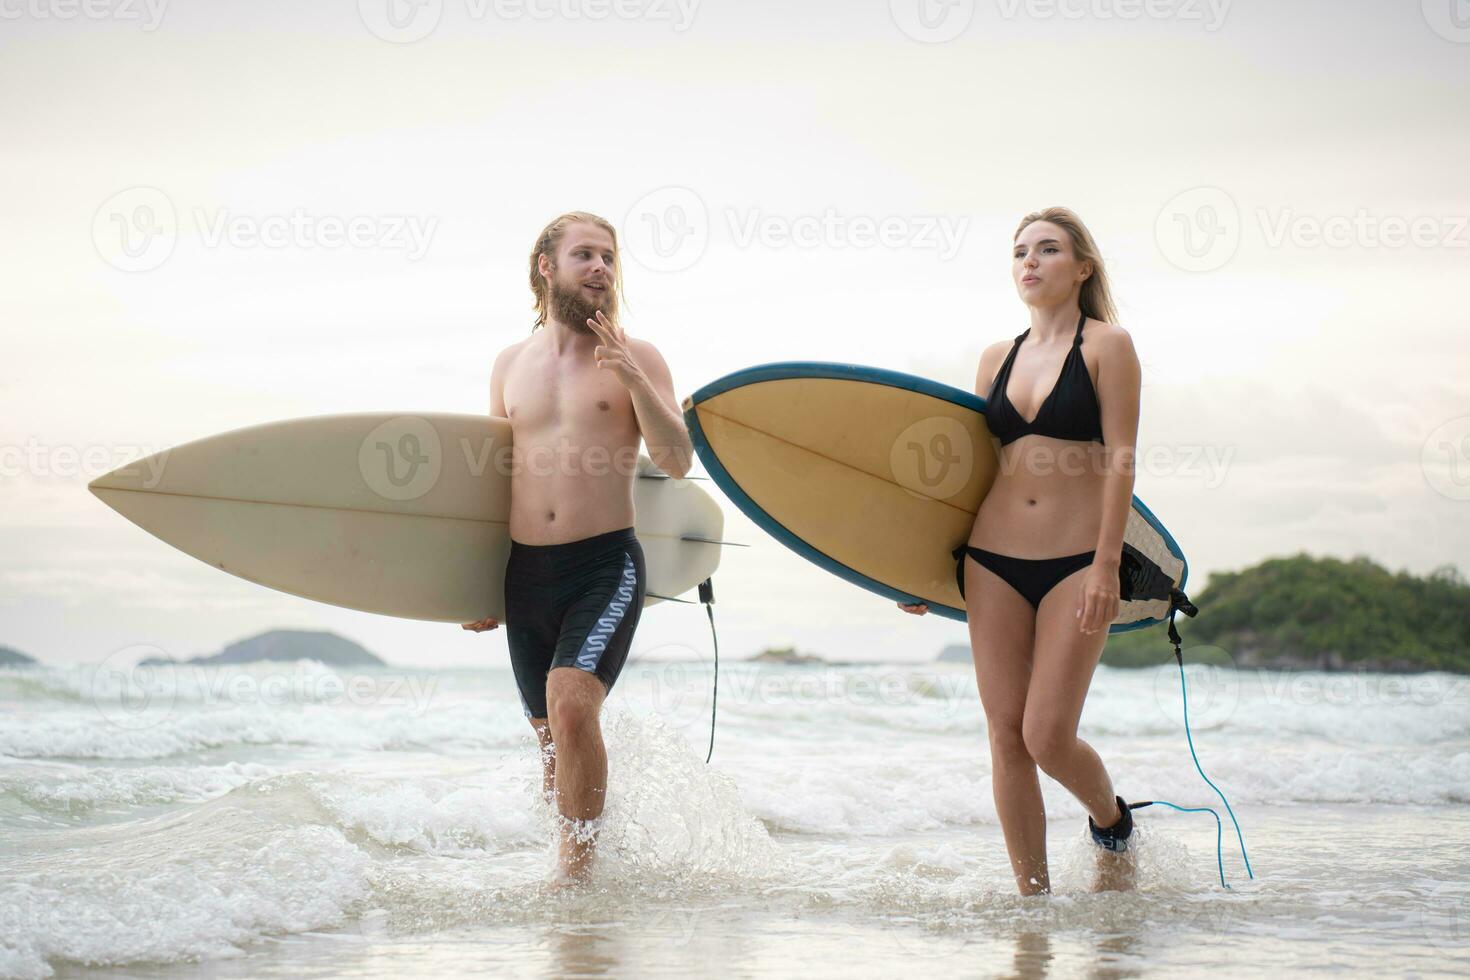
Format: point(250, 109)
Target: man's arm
point(497, 383)
point(657, 410)
point(497, 409)
point(641, 369)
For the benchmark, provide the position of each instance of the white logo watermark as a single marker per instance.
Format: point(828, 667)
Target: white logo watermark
point(132, 694)
point(400, 21)
point(933, 458)
point(932, 21)
point(1213, 688)
point(667, 230)
point(136, 230)
point(401, 459)
point(1450, 19)
point(1445, 459)
point(1198, 230)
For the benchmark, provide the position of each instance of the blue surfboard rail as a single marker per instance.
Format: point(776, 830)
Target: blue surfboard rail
point(790, 370)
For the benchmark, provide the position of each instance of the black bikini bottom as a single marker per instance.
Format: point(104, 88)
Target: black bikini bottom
point(1033, 578)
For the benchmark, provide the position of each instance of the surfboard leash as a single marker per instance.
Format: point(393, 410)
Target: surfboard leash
point(707, 596)
point(1179, 602)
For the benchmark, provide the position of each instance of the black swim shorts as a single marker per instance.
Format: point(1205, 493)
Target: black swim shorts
point(572, 605)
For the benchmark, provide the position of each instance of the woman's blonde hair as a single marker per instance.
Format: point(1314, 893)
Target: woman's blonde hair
point(1096, 300)
point(547, 243)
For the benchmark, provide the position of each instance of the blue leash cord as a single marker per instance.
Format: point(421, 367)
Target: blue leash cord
point(707, 596)
point(1184, 694)
point(1219, 827)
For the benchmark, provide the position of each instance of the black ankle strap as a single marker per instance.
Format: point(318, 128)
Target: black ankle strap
point(1114, 838)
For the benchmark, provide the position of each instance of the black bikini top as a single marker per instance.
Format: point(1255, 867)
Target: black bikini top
point(1070, 412)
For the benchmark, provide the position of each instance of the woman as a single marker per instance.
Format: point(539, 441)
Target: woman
point(1039, 605)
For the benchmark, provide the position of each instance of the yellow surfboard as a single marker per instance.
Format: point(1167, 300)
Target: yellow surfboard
point(876, 476)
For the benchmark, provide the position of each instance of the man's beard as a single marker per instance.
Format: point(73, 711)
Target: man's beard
point(569, 306)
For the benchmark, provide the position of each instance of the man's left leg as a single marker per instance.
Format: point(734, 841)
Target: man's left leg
point(574, 701)
point(597, 633)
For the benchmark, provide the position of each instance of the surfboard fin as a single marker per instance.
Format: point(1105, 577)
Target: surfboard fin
point(700, 539)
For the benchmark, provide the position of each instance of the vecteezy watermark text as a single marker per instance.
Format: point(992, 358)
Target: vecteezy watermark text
point(937, 21)
point(299, 229)
point(138, 687)
point(935, 457)
point(1362, 229)
point(294, 685)
point(1215, 687)
point(1357, 688)
point(1201, 229)
point(1210, 13)
point(402, 458)
point(669, 229)
point(148, 12)
point(62, 461)
point(136, 230)
point(407, 21)
point(941, 234)
point(679, 691)
point(1206, 462)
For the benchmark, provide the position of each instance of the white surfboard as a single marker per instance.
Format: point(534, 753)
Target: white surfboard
point(404, 515)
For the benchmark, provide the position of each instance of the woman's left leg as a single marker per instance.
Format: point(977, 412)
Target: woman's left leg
point(1063, 661)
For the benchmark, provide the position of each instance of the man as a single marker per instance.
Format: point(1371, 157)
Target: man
point(579, 394)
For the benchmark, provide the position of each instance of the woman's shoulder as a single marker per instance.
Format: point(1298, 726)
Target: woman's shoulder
point(1107, 336)
point(1110, 351)
point(989, 366)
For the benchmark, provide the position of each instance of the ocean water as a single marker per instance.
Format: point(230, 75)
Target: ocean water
point(294, 820)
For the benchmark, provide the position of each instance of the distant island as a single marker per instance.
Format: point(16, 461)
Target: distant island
point(14, 658)
point(1305, 613)
point(784, 655)
point(289, 645)
point(955, 653)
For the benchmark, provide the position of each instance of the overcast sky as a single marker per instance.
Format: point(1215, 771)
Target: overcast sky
point(1279, 191)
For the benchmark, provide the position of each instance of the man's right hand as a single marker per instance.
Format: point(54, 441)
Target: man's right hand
point(916, 609)
point(483, 625)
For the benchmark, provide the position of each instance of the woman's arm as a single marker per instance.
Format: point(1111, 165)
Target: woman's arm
point(1119, 380)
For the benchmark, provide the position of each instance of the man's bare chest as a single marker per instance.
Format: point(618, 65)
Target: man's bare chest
point(546, 397)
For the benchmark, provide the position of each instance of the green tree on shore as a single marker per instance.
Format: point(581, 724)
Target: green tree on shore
point(1311, 613)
